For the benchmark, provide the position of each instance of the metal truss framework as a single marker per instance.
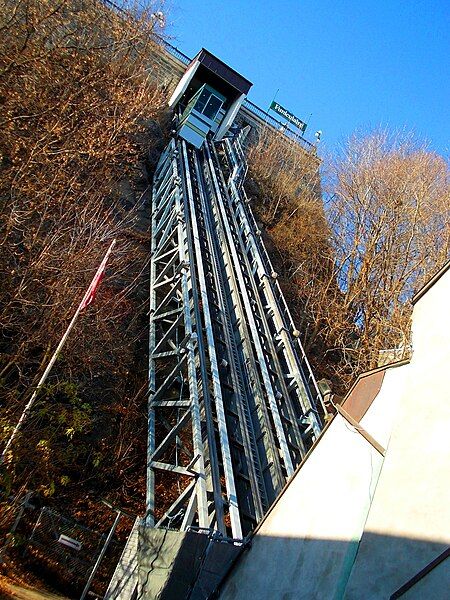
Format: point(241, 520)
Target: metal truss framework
point(233, 404)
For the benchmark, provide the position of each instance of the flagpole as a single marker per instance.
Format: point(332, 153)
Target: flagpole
point(31, 401)
point(273, 100)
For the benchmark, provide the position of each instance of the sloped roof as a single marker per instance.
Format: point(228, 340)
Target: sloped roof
point(222, 70)
point(365, 389)
point(423, 290)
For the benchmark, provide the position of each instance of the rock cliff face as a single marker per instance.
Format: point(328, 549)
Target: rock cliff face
point(84, 93)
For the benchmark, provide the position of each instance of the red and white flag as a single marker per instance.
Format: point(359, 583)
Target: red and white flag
point(89, 296)
point(87, 299)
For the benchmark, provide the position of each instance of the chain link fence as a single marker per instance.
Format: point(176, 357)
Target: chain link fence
point(60, 550)
point(65, 543)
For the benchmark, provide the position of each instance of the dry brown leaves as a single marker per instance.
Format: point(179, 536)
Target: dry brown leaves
point(77, 95)
point(349, 271)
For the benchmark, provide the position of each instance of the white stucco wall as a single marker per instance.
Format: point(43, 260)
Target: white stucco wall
point(307, 546)
point(411, 507)
point(380, 417)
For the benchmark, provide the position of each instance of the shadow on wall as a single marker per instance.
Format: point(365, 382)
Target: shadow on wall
point(295, 569)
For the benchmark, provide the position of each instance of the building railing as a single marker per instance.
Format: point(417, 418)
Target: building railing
point(278, 125)
point(249, 105)
point(258, 112)
point(174, 51)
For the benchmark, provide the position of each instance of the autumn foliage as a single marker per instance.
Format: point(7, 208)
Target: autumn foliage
point(350, 265)
point(80, 110)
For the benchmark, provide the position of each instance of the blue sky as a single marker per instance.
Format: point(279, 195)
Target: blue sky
point(352, 64)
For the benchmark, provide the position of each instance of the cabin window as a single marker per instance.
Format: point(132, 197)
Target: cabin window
point(201, 102)
point(208, 104)
point(212, 107)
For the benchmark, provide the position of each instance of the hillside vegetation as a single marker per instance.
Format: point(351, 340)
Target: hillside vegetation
point(350, 266)
point(82, 117)
point(80, 113)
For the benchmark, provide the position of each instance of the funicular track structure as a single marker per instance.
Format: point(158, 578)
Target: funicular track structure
point(233, 404)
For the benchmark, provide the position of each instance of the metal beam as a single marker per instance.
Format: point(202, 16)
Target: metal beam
point(229, 385)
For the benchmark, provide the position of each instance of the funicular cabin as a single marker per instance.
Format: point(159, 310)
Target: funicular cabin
point(207, 98)
point(203, 114)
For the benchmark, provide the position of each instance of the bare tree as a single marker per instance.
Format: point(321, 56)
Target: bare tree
point(80, 98)
point(349, 270)
point(389, 210)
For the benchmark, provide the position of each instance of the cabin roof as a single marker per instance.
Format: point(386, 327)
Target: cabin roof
point(222, 70)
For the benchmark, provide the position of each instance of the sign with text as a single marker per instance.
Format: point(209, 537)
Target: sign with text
point(289, 116)
point(65, 540)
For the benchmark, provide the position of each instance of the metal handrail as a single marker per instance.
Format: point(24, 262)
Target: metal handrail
point(279, 125)
point(184, 58)
point(248, 104)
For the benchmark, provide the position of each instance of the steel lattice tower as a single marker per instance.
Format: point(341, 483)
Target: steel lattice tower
point(233, 404)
